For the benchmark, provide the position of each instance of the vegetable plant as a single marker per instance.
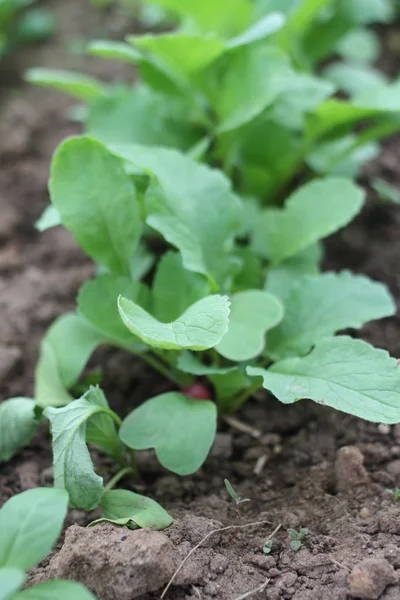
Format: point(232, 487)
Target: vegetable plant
point(18, 26)
point(297, 537)
point(30, 524)
point(203, 195)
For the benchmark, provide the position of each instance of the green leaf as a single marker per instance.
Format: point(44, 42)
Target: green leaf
point(314, 211)
point(253, 313)
point(183, 53)
point(231, 491)
point(62, 590)
point(80, 86)
point(346, 374)
point(175, 288)
point(192, 206)
point(261, 29)
point(360, 45)
point(17, 425)
point(227, 17)
point(108, 224)
point(386, 191)
point(200, 327)
point(49, 218)
point(11, 579)
point(317, 306)
point(181, 429)
point(342, 156)
point(72, 465)
point(245, 82)
point(124, 507)
point(101, 430)
point(188, 363)
point(142, 116)
point(30, 524)
point(64, 352)
point(97, 302)
point(109, 49)
point(353, 79)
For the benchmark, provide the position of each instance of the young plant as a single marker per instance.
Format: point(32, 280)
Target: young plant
point(395, 494)
point(30, 524)
point(212, 276)
point(297, 537)
point(267, 548)
point(235, 496)
point(18, 26)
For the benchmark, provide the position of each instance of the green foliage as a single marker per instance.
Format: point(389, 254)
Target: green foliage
point(30, 524)
point(20, 24)
point(17, 425)
point(297, 537)
point(233, 494)
point(203, 194)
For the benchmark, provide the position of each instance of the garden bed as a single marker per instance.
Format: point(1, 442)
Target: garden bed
point(292, 463)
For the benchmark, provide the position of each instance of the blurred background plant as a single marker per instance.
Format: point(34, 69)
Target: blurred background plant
point(20, 23)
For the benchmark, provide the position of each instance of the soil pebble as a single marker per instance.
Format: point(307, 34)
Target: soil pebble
point(369, 578)
point(349, 468)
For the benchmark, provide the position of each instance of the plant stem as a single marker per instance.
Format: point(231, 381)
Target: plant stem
point(242, 397)
point(117, 477)
point(114, 416)
point(154, 362)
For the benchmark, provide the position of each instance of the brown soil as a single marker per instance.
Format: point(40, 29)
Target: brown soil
point(312, 467)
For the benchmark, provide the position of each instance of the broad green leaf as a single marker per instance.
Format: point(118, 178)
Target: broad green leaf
point(304, 15)
point(181, 429)
point(72, 465)
point(184, 54)
point(76, 84)
point(17, 425)
point(250, 271)
point(30, 524)
point(108, 223)
point(360, 45)
point(313, 212)
point(192, 206)
point(11, 579)
point(342, 156)
point(49, 218)
point(226, 17)
point(142, 116)
point(383, 98)
point(346, 374)
point(124, 507)
point(101, 430)
point(253, 313)
point(97, 302)
point(245, 82)
point(175, 288)
point(200, 327)
point(188, 363)
point(261, 29)
point(353, 79)
point(62, 590)
point(318, 306)
point(64, 352)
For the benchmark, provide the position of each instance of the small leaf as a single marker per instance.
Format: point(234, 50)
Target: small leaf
point(318, 306)
point(386, 191)
point(263, 28)
point(64, 352)
point(72, 464)
point(49, 218)
point(11, 579)
point(360, 45)
point(123, 505)
point(192, 206)
point(181, 429)
point(295, 545)
point(175, 288)
point(101, 430)
point(80, 86)
point(30, 524)
point(200, 327)
point(108, 231)
point(253, 313)
point(62, 590)
point(188, 363)
point(231, 491)
point(321, 207)
point(343, 373)
point(97, 302)
point(17, 425)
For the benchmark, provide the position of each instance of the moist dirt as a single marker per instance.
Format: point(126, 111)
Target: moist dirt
point(301, 466)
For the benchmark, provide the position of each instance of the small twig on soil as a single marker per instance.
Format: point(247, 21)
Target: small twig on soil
point(260, 588)
point(243, 427)
point(338, 564)
point(260, 464)
point(202, 542)
point(196, 591)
